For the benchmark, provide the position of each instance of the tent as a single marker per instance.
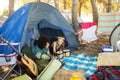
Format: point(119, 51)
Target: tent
point(34, 19)
point(115, 36)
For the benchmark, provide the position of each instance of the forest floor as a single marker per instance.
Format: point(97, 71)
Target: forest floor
point(96, 47)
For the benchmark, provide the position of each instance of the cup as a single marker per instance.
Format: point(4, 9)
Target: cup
point(66, 52)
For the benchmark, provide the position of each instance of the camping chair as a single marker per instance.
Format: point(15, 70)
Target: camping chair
point(89, 34)
point(10, 61)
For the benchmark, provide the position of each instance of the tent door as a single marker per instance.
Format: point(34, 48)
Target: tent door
point(52, 33)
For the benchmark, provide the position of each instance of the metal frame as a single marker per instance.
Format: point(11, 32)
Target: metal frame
point(12, 66)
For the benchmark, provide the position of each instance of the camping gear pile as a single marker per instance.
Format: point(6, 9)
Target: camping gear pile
point(106, 66)
point(36, 19)
point(25, 26)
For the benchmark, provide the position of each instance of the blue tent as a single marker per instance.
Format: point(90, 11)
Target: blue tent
point(34, 19)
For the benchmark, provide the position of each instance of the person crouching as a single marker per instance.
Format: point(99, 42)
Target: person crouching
point(42, 48)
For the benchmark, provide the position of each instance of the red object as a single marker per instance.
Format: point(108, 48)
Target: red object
point(87, 25)
point(106, 73)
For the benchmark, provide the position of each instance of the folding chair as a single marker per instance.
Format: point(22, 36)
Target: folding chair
point(89, 34)
point(9, 60)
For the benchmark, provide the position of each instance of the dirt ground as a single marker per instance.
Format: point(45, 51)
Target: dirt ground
point(96, 49)
point(96, 46)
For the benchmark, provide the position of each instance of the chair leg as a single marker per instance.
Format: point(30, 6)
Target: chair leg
point(7, 73)
point(97, 44)
point(18, 72)
point(4, 76)
point(91, 47)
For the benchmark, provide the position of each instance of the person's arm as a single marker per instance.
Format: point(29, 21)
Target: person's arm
point(38, 55)
point(54, 47)
point(62, 46)
point(80, 35)
point(48, 54)
point(37, 51)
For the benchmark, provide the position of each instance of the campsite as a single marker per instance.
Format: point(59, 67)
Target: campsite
point(104, 40)
point(40, 42)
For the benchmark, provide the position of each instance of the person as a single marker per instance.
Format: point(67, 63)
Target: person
point(58, 45)
point(118, 45)
point(42, 48)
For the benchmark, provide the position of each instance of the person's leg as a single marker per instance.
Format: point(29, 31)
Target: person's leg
point(46, 57)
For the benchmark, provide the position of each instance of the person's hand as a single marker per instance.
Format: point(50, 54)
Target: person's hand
point(53, 57)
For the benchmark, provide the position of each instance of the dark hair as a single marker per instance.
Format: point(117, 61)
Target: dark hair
point(41, 42)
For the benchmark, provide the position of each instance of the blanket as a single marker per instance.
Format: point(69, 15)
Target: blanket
point(110, 58)
point(80, 62)
point(106, 73)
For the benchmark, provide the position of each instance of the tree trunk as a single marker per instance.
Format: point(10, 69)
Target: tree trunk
point(65, 7)
point(94, 11)
point(11, 7)
point(56, 4)
point(74, 15)
point(80, 6)
point(48, 1)
point(79, 9)
point(38, 1)
point(109, 6)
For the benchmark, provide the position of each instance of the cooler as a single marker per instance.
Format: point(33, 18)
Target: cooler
point(107, 48)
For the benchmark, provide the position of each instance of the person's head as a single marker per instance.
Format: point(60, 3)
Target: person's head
point(42, 42)
point(60, 40)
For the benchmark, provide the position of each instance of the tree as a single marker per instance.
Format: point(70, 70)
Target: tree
point(74, 15)
point(38, 0)
point(84, 7)
point(109, 6)
point(94, 11)
point(56, 2)
point(65, 2)
point(11, 7)
point(80, 6)
point(5, 13)
point(116, 6)
point(48, 1)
